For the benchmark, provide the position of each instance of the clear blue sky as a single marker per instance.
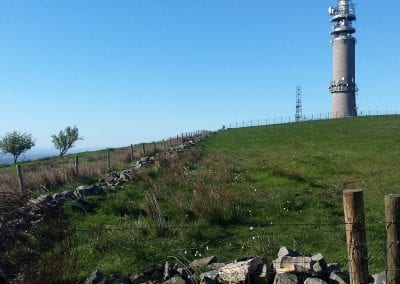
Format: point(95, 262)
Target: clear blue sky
point(127, 71)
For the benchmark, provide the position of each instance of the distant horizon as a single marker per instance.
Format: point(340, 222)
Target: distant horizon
point(39, 153)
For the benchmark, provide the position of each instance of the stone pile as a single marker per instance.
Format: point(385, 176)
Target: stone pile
point(289, 268)
point(144, 162)
point(34, 211)
point(182, 147)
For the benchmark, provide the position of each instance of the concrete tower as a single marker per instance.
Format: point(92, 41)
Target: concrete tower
point(343, 86)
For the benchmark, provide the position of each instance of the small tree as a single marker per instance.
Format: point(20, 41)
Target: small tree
point(16, 143)
point(66, 139)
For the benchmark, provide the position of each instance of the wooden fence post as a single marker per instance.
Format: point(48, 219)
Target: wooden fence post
point(392, 214)
point(20, 176)
point(108, 160)
point(353, 204)
point(132, 157)
point(144, 149)
point(154, 147)
point(77, 165)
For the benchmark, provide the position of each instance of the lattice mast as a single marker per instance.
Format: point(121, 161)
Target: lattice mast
point(343, 85)
point(299, 106)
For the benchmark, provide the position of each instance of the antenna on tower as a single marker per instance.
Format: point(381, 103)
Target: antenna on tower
point(299, 106)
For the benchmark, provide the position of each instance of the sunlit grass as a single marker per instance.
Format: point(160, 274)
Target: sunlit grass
point(244, 192)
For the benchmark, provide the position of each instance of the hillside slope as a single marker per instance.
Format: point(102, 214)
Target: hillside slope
point(243, 192)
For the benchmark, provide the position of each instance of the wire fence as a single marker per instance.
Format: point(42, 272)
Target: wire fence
point(291, 118)
point(41, 175)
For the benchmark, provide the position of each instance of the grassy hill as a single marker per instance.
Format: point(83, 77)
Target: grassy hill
point(242, 192)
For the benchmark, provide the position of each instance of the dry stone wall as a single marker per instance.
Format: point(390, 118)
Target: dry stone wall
point(43, 207)
point(290, 267)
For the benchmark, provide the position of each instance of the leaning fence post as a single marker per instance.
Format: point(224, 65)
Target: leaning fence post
point(20, 178)
point(144, 149)
point(132, 157)
point(77, 165)
point(353, 204)
point(392, 214)
point(108, 160)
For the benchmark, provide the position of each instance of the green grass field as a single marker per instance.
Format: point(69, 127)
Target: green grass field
point(241, 192)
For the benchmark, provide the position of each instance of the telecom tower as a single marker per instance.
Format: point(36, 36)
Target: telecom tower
point(299, 106)
point(343, 86)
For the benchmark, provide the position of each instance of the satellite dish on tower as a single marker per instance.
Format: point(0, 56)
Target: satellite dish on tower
point(331, 11)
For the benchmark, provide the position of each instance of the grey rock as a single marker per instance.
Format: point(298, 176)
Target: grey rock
point(333, 267)
point(285, 278)
point(125, 176)
point(57, 195)
point(101, 184)
point(338, 278)
point(119, 183)
point(85, 190)
point(288, 264)
point(94, 278)
point(263, 275)
point(117, 279)
point(379, 278)
point(239, 271)
point(185, 273)
point(68, 194)
point(317, 267)
point(203, 262)
point(314, 281)
point(319, 264)
point(317, 257)
point(169, 270)
point(41, 199)
point(175, 280)
point(215, 266)
point(151, 273)
point(209, 277)
point(285, 251)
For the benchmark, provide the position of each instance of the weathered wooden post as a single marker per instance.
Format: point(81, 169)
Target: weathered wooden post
point(132, 156)
point(163, 143)
point(108, 161)
point(353, 204)
point(20, 176)
point(77, 165)
point(154, 147)
point(144, 149)
point(170, 141)
point(392, 214)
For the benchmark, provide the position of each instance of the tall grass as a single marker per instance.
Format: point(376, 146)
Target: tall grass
point(56, 173)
